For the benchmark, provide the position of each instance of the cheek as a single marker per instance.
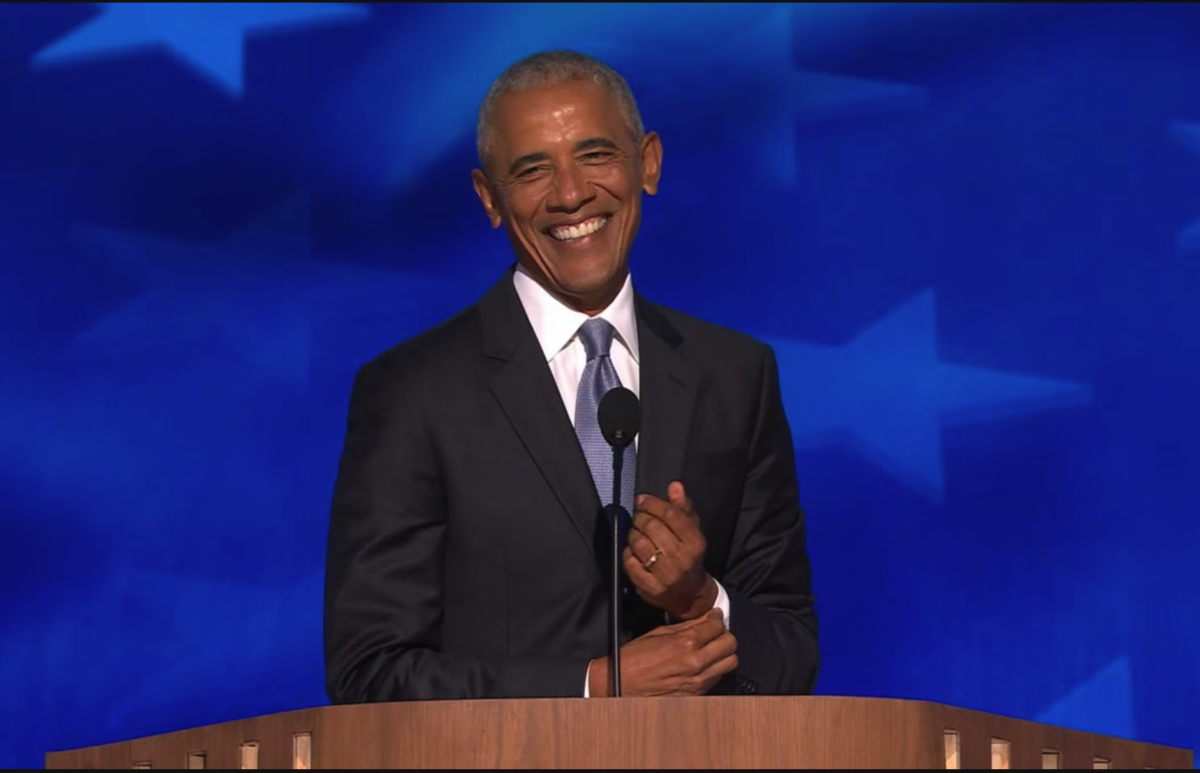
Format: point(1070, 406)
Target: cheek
point(527, 209)
point(617, 180)
point(520, 204)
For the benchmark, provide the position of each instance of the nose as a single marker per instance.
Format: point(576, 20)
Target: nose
point(570, 191)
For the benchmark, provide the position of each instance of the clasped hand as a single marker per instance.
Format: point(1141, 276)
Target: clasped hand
point(665, 557)
point(687, 659)
point(665, 563)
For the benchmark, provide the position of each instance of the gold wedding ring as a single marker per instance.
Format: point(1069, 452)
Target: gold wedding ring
point(652, 560)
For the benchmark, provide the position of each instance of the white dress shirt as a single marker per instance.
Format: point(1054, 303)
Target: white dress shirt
point(557, 326)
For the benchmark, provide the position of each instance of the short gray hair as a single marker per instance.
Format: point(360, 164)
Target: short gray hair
point(552, 68)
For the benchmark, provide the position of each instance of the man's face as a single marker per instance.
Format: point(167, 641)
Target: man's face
point(565, 178)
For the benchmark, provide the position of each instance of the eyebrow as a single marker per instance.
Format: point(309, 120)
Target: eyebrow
point(528, 158)
point(591, 143)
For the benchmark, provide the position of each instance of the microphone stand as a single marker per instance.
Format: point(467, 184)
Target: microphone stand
point(615, 645)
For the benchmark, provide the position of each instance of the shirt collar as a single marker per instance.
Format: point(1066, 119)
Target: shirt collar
point(555, 324)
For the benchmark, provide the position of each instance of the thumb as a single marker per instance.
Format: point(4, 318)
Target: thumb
point(678, 496)
point(713, 615)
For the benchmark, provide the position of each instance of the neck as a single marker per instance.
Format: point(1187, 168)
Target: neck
point(591, 304)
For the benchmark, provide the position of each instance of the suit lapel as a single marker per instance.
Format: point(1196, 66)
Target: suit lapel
point(668, 394)
point(526, 392)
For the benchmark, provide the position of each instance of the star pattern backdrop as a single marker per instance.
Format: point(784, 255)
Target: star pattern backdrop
point(970, 231)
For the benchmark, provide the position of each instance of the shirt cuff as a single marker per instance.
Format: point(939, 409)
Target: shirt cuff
point(722, 603)
point(587, 678)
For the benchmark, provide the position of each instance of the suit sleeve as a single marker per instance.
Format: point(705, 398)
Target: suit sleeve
point(768, 576)
point(384, 567)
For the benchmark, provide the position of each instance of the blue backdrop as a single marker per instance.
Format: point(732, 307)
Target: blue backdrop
point(971, 231)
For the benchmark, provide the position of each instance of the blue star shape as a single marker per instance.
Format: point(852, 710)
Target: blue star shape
point(249, 291)
point(680, 58)
point(1188, 135)
point(758, 93)
point(263, 629)
point(1103, 704)
point(376, 137)
point(209, 37)
point(887, 395)
point(256, 293)
point(241, 634)
point(775, 97)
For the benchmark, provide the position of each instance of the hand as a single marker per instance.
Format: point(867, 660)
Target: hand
point(676, 581)
point(685, 659)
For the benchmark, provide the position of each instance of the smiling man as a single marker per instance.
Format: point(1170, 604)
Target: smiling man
point(467, 542)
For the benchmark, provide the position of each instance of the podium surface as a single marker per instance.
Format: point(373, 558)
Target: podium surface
point(708, 732)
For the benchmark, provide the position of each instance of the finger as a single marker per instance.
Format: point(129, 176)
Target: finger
point(632, 560)
point(711, 629)
point(663, 557)
point(678, 496)
point(708, 672)
point(717, 651)
point(646, 583)
point(653, 527)
point(714, 650)
point(710, 676)
point(676, 627)
point(714, 614)
point(643, 547)
point(720, 648)
point(682, 528)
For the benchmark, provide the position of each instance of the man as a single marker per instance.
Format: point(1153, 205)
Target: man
point(467, 547)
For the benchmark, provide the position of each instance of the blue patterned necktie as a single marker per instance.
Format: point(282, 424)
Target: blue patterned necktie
point(599, 376)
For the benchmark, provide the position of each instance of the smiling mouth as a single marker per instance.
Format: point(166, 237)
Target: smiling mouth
point(570, 233)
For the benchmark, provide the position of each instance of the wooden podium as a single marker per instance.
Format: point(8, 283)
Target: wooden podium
point(709, 732)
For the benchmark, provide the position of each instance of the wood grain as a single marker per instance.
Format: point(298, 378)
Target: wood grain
point(711, 732)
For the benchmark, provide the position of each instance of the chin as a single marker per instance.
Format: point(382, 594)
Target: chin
point(585, 283)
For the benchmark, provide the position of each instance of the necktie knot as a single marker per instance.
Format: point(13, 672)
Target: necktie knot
point(597, 336)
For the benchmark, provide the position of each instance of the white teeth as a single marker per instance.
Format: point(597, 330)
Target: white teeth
point(586, 228)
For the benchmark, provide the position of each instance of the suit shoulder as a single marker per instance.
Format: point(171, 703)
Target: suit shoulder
point(428, 352)
point(701, 335)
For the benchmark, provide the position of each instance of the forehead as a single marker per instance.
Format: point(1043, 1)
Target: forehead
point(539, 119)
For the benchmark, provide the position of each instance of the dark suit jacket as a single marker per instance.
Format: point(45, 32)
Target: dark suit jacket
point(466, 530)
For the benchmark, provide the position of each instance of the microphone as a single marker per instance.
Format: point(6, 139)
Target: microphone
point(620, 419)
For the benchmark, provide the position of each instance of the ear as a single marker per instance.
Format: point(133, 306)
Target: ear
point(651, 153)
point(483, 189)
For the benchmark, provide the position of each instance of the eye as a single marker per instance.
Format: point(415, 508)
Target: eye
point(597, 155)
point(530, 171)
